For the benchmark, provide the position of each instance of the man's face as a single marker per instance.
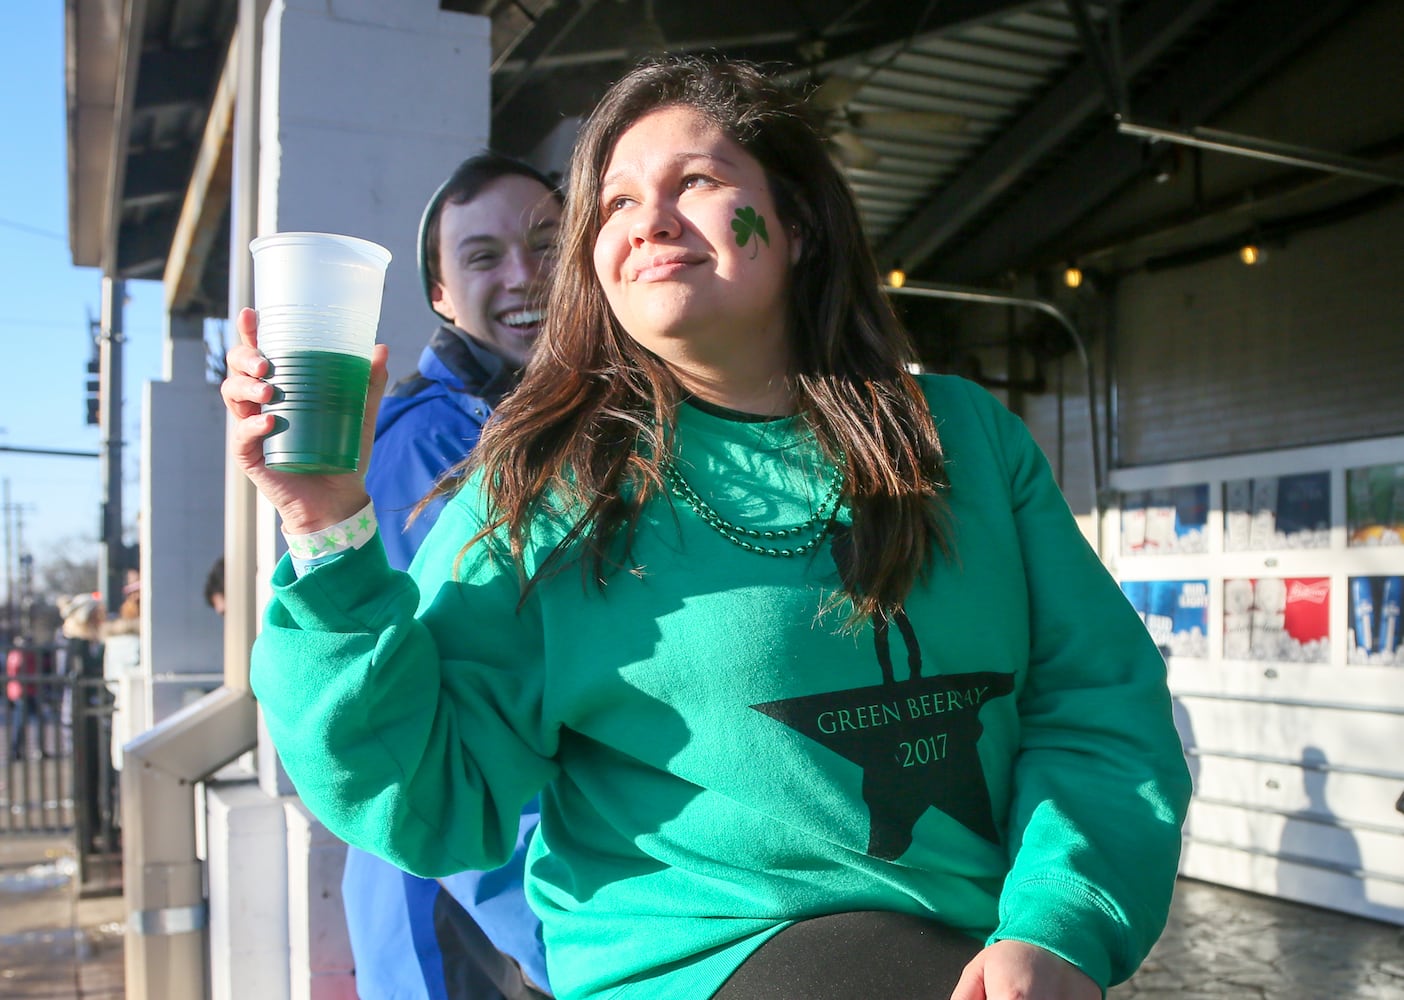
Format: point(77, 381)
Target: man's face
point(494, 255)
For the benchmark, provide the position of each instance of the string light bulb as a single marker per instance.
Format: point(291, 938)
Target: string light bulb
point(896, 277)
point(1250, 254)
point(1072, 277)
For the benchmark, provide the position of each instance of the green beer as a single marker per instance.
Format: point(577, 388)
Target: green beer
point(319, 400)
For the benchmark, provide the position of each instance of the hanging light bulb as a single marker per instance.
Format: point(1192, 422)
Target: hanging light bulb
point(1250, 254)
point(896, 277)
point(1072, 277)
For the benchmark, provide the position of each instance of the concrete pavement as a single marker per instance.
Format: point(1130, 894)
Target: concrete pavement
point(1221, 944)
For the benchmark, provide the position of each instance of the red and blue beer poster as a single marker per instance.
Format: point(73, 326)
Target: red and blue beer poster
point(1373, 629)
point(1176, 613)
point(1276, 618)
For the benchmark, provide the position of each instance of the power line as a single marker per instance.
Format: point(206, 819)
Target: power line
point(50, 324)
point(32, 230)
point(50, 451)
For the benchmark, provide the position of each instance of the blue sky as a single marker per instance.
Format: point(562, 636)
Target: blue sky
point(46, 303)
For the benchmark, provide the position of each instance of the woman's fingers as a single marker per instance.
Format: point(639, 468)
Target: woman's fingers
point(247, 325)
point(244, 392)
point(246, 438)
point(306, 502)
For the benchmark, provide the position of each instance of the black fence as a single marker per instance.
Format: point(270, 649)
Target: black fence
point(57, 773)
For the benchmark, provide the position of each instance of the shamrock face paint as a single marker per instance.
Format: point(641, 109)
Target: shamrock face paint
point(684, 210)
point(747, 224)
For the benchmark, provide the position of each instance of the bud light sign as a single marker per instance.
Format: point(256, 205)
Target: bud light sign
point(1176, 613)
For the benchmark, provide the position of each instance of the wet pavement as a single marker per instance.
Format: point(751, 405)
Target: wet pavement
point(53, 944)
point(1220, 943)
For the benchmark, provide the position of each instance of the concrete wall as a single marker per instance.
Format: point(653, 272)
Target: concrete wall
point(1303, 348)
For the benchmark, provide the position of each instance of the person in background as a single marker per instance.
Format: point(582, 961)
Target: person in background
point(214, 586)
point(21, 669)
point(485, 244)
point(821, 687)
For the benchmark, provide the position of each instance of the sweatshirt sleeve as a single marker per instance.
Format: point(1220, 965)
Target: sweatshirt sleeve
point(416, 736)
point(1100, 783)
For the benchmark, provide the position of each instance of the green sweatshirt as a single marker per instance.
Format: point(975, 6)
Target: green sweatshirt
point(716, 758)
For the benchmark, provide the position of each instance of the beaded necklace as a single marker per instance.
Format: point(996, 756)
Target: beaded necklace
point(753, 539)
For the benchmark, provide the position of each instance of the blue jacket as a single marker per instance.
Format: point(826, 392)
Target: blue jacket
point(427, 423)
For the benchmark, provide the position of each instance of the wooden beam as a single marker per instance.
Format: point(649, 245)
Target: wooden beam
point(208, 194)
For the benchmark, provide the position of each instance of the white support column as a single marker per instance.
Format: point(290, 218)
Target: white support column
point(182, 524)
point(317, 937)
point(364, 107)
point(249, 916)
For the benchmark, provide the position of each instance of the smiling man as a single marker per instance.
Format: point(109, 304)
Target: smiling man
point(486, 245)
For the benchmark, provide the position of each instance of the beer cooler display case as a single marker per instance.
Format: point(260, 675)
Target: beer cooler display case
point(1272, 583)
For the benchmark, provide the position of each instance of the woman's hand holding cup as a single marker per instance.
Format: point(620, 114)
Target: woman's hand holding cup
point(306, 502)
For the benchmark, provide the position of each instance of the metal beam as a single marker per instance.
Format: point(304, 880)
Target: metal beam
point(1070, 105)
point(567, 53)
point(1266, 149)
point(1105, 55)
point(990, 296)
point(1239, 54)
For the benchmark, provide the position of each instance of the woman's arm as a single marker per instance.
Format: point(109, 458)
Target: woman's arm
point(1100, 782)
point(407, 749)
point(421, 753)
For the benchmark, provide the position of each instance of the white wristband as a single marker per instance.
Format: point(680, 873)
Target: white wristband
point(343, 536)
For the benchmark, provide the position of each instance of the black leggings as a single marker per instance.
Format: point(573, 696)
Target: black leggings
point(867, 955)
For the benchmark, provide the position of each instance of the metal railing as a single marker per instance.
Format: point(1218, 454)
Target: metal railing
point(57, 774)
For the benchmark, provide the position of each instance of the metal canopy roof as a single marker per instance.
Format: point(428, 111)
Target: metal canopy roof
point(978, 135)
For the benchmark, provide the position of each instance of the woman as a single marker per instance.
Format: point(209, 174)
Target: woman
point(820, 703)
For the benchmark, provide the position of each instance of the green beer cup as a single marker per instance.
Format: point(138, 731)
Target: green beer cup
point(318, 300)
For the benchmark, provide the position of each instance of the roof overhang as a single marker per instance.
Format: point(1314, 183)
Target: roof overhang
point(95, 64)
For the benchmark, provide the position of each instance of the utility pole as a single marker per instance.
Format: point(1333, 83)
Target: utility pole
point(26, 576)
point(9, 570)
point(110, 353)
point(15, 556)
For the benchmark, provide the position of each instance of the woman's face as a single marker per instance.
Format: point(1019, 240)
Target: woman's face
point(692, 257)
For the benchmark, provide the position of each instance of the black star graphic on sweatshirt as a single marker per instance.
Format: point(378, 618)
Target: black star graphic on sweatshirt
point(916, 743)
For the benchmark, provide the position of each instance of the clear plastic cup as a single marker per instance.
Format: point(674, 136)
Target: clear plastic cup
point(318, 300)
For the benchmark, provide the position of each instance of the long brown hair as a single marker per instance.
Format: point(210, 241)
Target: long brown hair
point(588, 427)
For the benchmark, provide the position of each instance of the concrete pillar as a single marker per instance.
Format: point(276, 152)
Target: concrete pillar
point(317, 937)
point(249, 913)
point(363, 108)
point(182, 524)
point(366, 107)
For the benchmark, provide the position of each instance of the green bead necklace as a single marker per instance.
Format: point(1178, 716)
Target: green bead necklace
point(762, 541)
